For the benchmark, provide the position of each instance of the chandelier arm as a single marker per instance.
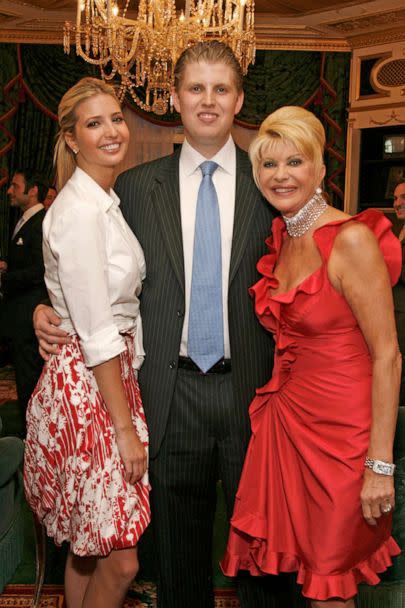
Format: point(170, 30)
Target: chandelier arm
point(143, 51)
point(92, 61)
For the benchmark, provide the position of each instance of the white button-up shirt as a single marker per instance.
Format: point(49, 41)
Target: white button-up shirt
point(224, 179)
point(94, 267)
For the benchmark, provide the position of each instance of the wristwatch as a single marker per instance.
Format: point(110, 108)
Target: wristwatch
point(380, 467)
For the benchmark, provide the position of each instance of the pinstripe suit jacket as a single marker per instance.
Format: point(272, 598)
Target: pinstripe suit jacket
point(150, 202)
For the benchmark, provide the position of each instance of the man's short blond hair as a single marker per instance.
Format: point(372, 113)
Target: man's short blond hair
point(212, 51)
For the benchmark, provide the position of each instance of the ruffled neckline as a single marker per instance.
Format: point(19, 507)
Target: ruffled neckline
point(269, 307)
point(312, 283)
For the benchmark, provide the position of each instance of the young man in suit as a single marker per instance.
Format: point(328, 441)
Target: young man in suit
point(197, 417)
point(22, 281)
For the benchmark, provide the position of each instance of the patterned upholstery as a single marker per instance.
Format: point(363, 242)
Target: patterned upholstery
point(11, 527)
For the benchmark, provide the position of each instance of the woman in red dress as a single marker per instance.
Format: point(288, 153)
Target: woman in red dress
point(86, 449)
point(316, 493)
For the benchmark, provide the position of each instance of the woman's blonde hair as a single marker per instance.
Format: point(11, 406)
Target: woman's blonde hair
point(64, 158)
point(294, 125)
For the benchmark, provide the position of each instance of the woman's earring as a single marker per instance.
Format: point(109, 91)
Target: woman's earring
point(75, 151)
point(318, 190)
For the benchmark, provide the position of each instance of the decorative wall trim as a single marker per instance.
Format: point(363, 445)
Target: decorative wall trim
point(295, 43)
point(392, 118)
point(372, 39)
point(370, 108)
point(31, 37)
point(267, 38)
point(263, 42)
point(347, 26)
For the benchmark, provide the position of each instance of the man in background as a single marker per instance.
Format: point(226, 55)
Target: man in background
point(22, 281)
point(399, 288)
point(50, 197)
point(399, 207)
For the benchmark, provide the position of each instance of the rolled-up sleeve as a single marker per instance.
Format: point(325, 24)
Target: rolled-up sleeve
point(79, 242)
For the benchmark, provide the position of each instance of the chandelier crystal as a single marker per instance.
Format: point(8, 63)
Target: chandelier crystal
point(142, 52)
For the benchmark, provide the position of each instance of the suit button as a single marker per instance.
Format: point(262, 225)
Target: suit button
point(172, 364)
point(180, 314)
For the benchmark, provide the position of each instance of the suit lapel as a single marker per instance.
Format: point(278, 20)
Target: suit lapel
point(246, 199)
point(26, 228)
point(166, 194)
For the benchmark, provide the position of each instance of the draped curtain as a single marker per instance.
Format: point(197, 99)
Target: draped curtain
point(34, 77)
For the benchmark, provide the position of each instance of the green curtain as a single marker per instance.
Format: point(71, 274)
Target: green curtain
point(317, 81)
point(9, 70)
point(335, 80)
point(35, 134)
point(278, 78)
point(62, 71)
point(34, 77)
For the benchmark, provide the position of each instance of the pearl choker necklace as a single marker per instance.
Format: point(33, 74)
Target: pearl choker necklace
point(302, 221)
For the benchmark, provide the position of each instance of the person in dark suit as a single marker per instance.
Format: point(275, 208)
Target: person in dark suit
point(22, 281)
point(197, 416)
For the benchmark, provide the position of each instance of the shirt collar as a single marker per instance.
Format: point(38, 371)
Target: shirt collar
point(105, 199)
point(190, 159)
point(32, 211)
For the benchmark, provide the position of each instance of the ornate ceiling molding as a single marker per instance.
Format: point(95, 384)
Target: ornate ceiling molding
point(31, 36)
point(386, 37)
point(349, 26)
point(295, 25)
point(295, 43)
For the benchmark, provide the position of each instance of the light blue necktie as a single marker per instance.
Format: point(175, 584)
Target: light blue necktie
point(206, 327)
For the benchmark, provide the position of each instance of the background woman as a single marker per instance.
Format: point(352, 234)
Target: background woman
point(86, 459)
point(317, 489)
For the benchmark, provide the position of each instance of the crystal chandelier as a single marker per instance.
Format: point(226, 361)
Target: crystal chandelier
point(142, 52)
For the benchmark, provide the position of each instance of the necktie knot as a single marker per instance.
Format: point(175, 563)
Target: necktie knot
point(208, 167)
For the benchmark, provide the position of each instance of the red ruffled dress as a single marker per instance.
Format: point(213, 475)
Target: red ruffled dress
point(298, 504)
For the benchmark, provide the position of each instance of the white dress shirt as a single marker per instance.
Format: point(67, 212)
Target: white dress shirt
point(224, 179)
point(94, 267)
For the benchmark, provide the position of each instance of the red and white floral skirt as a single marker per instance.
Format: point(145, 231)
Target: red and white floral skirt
point(73, 473)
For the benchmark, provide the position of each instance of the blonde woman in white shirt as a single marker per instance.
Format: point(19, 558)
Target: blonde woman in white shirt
point(86, 449)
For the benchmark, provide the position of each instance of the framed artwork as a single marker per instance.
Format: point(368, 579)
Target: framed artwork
point(394, 146)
